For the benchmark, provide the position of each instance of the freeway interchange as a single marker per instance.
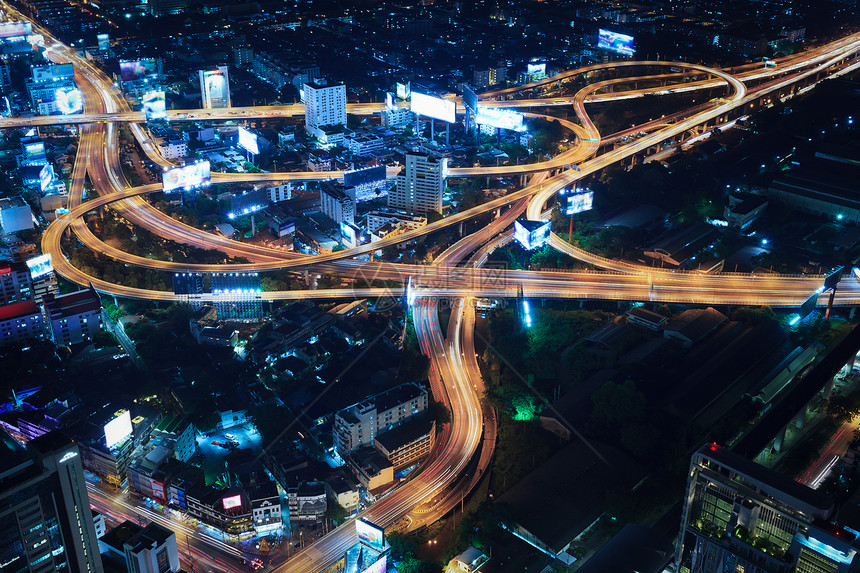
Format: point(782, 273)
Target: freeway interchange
point(455, 377)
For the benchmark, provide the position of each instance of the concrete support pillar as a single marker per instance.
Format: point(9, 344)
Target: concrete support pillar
point(828, 388)
point(851, 314)
point(800, 419)
point(306, 277)
point(779, 441)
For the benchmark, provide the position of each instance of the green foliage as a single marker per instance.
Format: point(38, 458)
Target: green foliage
point(336, 513)
point(617, 405)
point(753, 315)
point(270, 420)
point(413, 364)
point(103, 339)
point(403, 551)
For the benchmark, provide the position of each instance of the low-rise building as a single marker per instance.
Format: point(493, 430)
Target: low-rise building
point(180, 434)
point(15, 215)
point(343, 493)
point(307, 501)
point(693, 325)
point(645, 318)
point(20, 322)
point(150, 549)
point(371, 468)
point(408, 443)
point(73, 318)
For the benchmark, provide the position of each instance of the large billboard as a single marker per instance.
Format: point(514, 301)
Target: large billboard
point(613, 41)
point(104, 41)
point(69, 100)
point(154, 105)
point(501, 118)
point(40, 266)
point(14, 29)
point(364, 176)
point(232, 501)
point(370, 534)
point(138, 69)
point(379, 566)
point(404, 90)
point(577, 200)
point(248, 140)
point(118, 429)
point(215, 88)
point(470, 99)
point(531, 234)
point(187, 177)
point(34, 152)
point(434, 107)
point(46, 177)
point(536, 69)
point(389, 101)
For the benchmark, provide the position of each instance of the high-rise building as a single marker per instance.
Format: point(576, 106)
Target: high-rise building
point(338, 202)
point(20, 322)
point(325, 104)
point(215, 87)
point(15, 215)
point(420, 184)
point(45, 519)
point(74, 317)
point(15, 283)
point(741, 516)
point(150, 549)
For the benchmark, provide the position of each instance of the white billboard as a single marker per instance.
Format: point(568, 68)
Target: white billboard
point(578, 200)
point(248, 140)
point(187, 177)
point(154, 105)
point(40, 266)
point(69, 100)
point(616, 42)
point(46, 176)
point(368, 533)
point(536, 69)
point(118, 429)
point(232, 501)
point(434, 107)
point(501, 118)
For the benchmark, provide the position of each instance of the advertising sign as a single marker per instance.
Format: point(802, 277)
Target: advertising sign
point(370, 534)
point(46, 176)
point(40, 266)
point(232, 501)
point(809, 305)
point(364, 176)
point(104, 41)
point(287, 228)
point(347, 232)
point(536, 69)
point(434, 107)
point(118, 429)
point(578, 200)
point(69, 100)
point(404, 90)
point(138, 69)
point(12, 29)
point(615, 42)
point(248, 140)
point(501, 118)
point(216, 92)
point(378, 567)
point(389, 101)
point(34, 152)
point(154, 105)
point(470, 99)
point(157, 489)
point(337, 567)
point(193, 175)
point(833, 278)
point(531, 234)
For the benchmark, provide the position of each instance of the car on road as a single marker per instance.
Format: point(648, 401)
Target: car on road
point(256, 564)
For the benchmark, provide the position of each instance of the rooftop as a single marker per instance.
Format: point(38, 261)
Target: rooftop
point(71, 304)
point(18, 310)
point(405, 433)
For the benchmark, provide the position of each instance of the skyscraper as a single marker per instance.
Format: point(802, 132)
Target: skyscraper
point(45, 518)
point(740, 516)
point(420, 184)
point(325, 104)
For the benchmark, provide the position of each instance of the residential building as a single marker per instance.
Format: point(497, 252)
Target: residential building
point(150, 549)
point(343, 493)
point(377, 218)
point(73, 318)
point(173, 148)
point(407, 443)
point(740, 516)
point(15, 215)
point(307, 501)
point(228, 510)
point(337, 202)
point(20, 322)
point(325, 104)
point(15, 283)
point(371, 468)
point(45, 518)
point(420, 184)
point(359, 424)
point(397, 117)
point(180, 433)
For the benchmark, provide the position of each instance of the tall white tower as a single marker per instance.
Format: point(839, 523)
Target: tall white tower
point(420, 184)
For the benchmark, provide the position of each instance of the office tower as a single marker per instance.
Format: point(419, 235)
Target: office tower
point(74, 317)
point(338, 202)
point(420, 184)
point(740, 516)
point(215, 87)
point(45, 519)
point(325, 104)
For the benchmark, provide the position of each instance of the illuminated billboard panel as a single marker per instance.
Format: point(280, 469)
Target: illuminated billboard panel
point(34, 152)
point(69, 100)
point(404, 90)
point(470, 99)
point(14, 29)
point(615, 42)
point(138, 69)
point(370, 534)
point(378, 567)
point(232, 501)
point(501, 118)
point(364, 176)
point(104, 41)
point(154, 105)
point(531, 234)
point(389, 101)
point(40, 266)
point(578, 200)
point(536, 69)
point(46, 176)
point(118, 429)
point(434, 107)
point(248, 140)
point(187, 177)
